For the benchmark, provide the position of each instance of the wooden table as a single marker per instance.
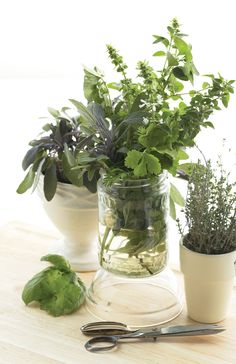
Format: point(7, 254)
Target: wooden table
point(29, 335)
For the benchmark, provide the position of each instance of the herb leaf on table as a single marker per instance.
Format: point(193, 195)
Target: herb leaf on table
point(57, 289)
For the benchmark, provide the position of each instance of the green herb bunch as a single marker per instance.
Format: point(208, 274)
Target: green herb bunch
point(130, 129)
point(141, 127)
point(210, 211)
point(47, 155)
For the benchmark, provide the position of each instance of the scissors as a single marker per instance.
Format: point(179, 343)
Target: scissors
point(107, 334)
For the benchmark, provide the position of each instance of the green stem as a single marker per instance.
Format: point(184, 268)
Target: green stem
point(103, 242)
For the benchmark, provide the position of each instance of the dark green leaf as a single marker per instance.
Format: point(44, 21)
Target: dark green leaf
point(50, 181)
point(74, 176)
point(30, 157)
point(179, 73)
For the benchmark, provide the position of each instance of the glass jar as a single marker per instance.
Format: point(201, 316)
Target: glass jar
point(133, 226)
point(134, 284)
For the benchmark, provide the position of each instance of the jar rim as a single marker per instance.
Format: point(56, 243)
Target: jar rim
point(136, 183)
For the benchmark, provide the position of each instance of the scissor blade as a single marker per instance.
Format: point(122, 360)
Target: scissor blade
point(186, 330)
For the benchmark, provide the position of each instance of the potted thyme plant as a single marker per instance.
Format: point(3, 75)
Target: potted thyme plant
point(208, 249)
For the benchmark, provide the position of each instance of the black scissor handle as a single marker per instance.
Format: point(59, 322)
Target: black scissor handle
point(109, 342)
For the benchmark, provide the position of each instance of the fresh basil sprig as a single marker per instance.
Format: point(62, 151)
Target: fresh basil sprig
point(57, 289)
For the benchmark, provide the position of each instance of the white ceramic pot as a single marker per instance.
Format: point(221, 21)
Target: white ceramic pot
point(208, 283)
point(74, 212)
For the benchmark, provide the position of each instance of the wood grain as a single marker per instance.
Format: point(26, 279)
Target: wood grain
point(30, 336)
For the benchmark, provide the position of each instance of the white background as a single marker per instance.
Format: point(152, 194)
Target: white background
point(43, 45)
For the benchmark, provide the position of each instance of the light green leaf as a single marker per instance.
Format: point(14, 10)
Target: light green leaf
point(38, 173)
point(160, 39)
point(27, 181)
point(225, 100)
point(159, 54)
point(183, 48)
point(114, 86)
point(132, 159)
point(182, 155)
point(172, 61)
point(176, 195)
point(172, 208)
point(84, 112)
point(142, 163)
point(55, 113)
point(152, 163)
point(58, 261)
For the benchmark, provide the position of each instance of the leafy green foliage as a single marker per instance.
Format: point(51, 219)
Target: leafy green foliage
point(129, 128)
point(210, 211)
point(52, 155)
point(57, 288)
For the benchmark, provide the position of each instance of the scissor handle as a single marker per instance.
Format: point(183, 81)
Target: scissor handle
point(101, 328)
point(110, 342)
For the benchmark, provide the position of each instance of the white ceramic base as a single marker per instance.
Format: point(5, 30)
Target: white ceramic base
point(82, 262)
point(74, 212)
point(135, 301)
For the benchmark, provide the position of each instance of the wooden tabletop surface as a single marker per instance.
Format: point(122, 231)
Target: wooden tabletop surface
point(30, 336)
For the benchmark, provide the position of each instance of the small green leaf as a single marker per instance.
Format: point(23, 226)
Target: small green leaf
point(225, 100)
point(181, 155)
point(132, 159)
point(172, 208)
point(205, 85)
point(176, 195)
point(70, 158)
point(159, 54)
point(179, 73)
point(183, 48)
point(152, 163)
point(55, 113)
point(85, 113)
point(160, 39)
point(172, 61)
point(27, 181)
point(114, 86)
point(58, 261)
